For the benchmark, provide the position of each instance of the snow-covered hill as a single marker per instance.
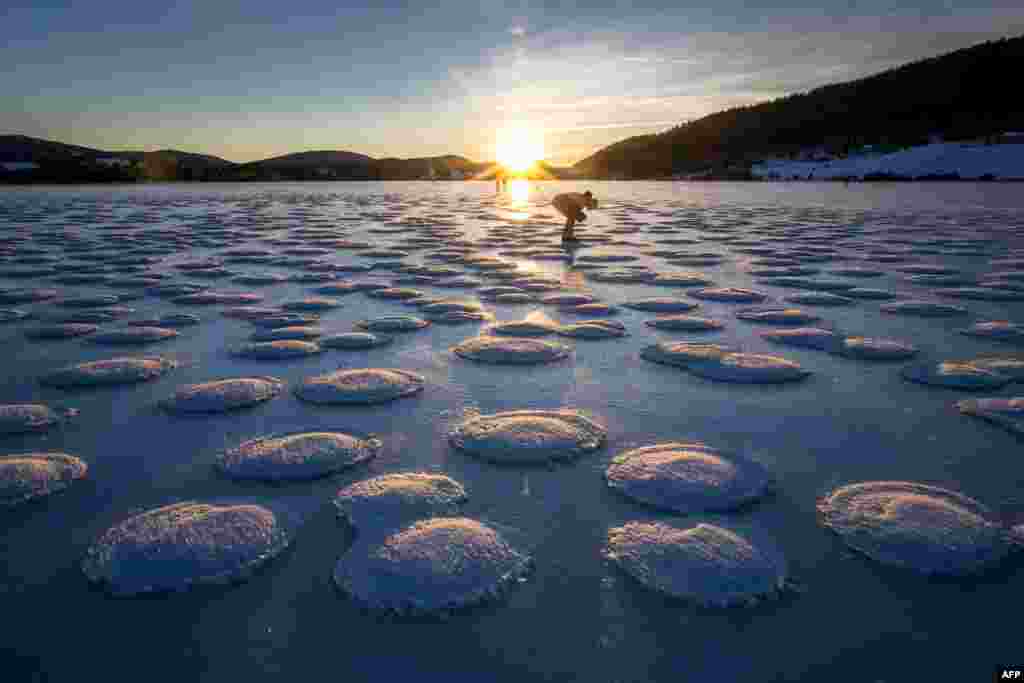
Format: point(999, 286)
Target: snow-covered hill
point(968, 161)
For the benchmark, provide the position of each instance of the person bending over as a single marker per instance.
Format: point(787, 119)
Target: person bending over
point(571, 205)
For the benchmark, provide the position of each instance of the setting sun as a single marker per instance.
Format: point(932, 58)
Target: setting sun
point(519, 147)
point(519, 190)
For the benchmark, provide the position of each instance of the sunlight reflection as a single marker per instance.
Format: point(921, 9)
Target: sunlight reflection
point(513, 216)
point(573, 279)
point(540, 317)
point(527, 267)
point(519, 190)
point(519, 146)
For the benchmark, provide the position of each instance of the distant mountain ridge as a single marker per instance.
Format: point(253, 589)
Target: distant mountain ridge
point(22, 148)
point(61, 162)
point(960, 95)
point(315, 158)
point(189, 157)
point(957, 96)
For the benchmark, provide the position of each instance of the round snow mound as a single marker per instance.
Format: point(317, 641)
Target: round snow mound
point(716, 362)
point(687, 478)
point(732, 295)
point(26, 296)
point(868, 348)
point(393, 323)
point(108, 372)
point(397, 293)
point(28, 476)
point(174, 547)
point(923, 309)
point(279, 320)
point(620, 276)
point(511, 350)
point(684, 323)
point(680, 279)
point(363, 386)
point(567, 299)
point(96, 301)
point(805, 338)
point(434, 565)
point(312, 304)
point(955, 375)
point(749, 368)
point(352, 341)
point(223, 395)
point(777, 316)
point(706, 564)
point(997, 330)
point(20, 418)
point(924, 528)
point(1004, 365)
point(868, 294)
point(282, 349)
point(442, 307)
point(521, 328)
point(296, 332)
point(681, 354)
point(60, 331)
point(661, 304)
point(10, 315)
point(593, 329)
point(819, 299)
point(390, 501)
point(1005, 412)
point(299, 456)
point(130, 336)
point(528, 436)
point(596, 308)
point(460, 317)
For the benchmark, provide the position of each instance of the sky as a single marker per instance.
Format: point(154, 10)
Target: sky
point(254, 79)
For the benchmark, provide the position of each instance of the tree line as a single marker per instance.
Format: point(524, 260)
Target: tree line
point(962, 95)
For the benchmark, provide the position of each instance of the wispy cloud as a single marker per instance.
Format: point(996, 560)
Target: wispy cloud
point(587, 73)
point(661, 60)
point(602, 83)
point(615, 125)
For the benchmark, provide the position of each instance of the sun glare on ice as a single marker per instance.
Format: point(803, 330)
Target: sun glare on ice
point(519, 148)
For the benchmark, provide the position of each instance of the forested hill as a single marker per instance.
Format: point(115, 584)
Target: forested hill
point(965, 94)
point(25, 159)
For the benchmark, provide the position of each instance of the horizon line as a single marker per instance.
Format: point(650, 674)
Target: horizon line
point(546, 161)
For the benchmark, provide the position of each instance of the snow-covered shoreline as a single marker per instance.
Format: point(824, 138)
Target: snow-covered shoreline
point(966, 161)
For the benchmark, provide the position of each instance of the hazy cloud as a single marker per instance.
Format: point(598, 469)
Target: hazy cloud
point(412, 79)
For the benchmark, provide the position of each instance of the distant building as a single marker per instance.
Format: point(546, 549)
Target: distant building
point(159, 166)
point(819, 153)
point(115, 162)
point(18, 165)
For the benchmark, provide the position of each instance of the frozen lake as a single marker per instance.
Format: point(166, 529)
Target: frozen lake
point(576, 616)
